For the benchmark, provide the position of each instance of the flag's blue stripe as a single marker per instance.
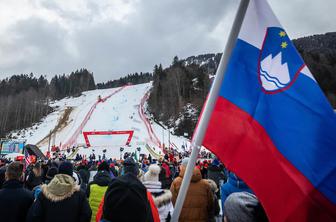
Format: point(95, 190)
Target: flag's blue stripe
point(299, 121)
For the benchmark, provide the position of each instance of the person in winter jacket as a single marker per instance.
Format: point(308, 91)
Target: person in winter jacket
point(52, 171)
point(48, 177)
point(97, 188)
point(34, 177)
point(14, 199)
point(163, 179)
point(113, 170)
point(126, 197)
point(161, 197)
point(44, 170)
point(216, 208)
point(60, 200)
point(243, 207)
point(216, 173)
point(232, 185)
point(149, 158)
point(66, 167)
point(84, 175)
point(204, 169)
point(155, 213)
point(166, 167)
point(2, 175)
point(198, 205)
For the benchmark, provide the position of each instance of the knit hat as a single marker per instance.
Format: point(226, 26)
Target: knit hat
point(152, 173)
point(103, 166)
point(125, 194)
point(130, 166)
point(51, 173)
point(243, 207)
point(60, 187)
point(66, 167)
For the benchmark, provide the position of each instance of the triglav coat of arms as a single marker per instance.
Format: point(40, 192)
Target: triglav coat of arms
point(279, 66)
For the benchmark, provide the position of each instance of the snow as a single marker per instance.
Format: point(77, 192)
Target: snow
point(120, 112)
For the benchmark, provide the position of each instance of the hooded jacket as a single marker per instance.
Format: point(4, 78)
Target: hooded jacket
point(96, 190)
point(233, 184)
point(14, 201)
point(161, 197)
point(33, 180)
point(126, 200)
point(198, 205)
point(60, 200)
point(216, 174)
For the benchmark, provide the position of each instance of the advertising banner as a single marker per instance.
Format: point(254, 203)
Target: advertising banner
point(12, 146)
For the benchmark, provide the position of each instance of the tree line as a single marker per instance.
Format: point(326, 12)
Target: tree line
point(24, 99)
point(178, 94)
point(134, 79)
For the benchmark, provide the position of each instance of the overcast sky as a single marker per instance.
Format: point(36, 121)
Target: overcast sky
point(112, 38)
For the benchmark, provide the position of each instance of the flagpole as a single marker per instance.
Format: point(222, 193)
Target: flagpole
point(209, 106)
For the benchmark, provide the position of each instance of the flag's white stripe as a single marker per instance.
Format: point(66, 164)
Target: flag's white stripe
point(306, 72)
point(258, 17)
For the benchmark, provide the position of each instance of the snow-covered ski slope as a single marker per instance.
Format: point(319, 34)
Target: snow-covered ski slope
point(122, 110)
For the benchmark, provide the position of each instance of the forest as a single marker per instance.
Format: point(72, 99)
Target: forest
point(25, 99)
point(178, 94)
point(135, 78)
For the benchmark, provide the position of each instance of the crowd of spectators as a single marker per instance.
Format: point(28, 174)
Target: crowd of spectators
point(132, 188)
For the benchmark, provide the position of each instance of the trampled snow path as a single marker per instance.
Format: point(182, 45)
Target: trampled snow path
point(121, 111)
point(73, 139)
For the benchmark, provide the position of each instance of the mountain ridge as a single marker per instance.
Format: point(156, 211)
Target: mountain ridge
point(318, 52)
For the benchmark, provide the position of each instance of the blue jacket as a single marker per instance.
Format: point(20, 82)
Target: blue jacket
point(233, 184)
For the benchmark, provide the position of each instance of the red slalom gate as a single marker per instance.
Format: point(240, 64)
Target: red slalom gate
point(72, 140)
point(89, 133)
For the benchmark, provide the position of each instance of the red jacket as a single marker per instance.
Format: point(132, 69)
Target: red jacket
point(171, 157)
point(166, 167)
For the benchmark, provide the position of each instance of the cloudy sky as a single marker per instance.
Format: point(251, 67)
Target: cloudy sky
point(115, 37)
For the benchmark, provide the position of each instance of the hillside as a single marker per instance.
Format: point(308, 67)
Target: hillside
point(319, 53)
point(24, 99)
point(18, 112)
point(185, 83)
point(120, 110)
point(178, 94)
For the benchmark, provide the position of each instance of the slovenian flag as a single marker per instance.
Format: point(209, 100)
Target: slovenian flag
point(272, 124)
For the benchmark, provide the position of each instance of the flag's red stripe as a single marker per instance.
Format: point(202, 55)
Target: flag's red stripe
point(245, 148)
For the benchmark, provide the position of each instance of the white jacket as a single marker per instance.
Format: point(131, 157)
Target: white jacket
point(162, 199)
